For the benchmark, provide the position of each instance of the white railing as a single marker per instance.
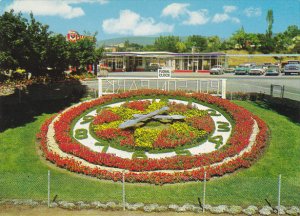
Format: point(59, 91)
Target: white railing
point(111, 85)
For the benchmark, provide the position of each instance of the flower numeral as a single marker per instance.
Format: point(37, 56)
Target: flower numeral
point(81, 134)
point(183, 152)
point(139, 154)
point(105, 146)
point(87, 119)
point(213, 112)
point(218, 140)
point(223, 126)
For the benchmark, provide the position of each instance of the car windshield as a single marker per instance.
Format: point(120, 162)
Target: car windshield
point(273, 68)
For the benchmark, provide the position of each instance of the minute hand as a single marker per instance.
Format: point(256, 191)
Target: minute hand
point(133, 122)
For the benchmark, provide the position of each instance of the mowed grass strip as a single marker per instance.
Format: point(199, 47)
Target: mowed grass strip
point(23, 174)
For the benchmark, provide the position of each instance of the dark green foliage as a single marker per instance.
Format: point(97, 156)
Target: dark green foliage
point(81, 133)
point(105, 146)
point(217, 140)
point(223, 126)
point(139, 154)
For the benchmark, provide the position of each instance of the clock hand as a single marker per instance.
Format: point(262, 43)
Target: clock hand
point(175, 117)
point(169, 117)
point(133, 122)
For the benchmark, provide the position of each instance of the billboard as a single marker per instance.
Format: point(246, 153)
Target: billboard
point(74, 36)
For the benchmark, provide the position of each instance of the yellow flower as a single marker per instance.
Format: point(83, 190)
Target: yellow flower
point(155, 105)
point(125, 113)
point(145, 137)
point(114, 124)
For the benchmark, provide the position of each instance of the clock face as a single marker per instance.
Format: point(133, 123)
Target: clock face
point(171, 137)
point(153, 128)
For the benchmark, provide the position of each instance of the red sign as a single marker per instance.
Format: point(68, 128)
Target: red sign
point(73, 36)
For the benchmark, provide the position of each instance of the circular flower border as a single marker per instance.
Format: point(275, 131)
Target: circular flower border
point(181, 169)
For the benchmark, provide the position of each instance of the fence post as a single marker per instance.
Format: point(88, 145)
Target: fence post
point(224, 88)
point(282, 91)
point(271, 90)
point(100, 87)
point(204, 192)
point(19, 95)
point(123, 190)
point(279, 188)
point(48, 188)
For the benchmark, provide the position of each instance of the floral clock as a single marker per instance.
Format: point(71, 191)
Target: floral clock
point(154, 136)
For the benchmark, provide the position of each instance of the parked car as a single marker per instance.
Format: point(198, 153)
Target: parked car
point(242, 69)
point(153, 67)
point(229, 70)
point(257, 70)
point(291, 68)
point(273, 70)
point(217, 69)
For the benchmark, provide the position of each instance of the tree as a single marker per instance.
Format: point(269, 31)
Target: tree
point(239, 38)
point(267, 44)
point(270, 21)
point(213, 43)
point(82, 53)
point(292, 31)
point(57, 56)
point(181, 47)
point(38, 39)
point(296, 48)
point(13, 42)
point(197, 41)
point(166, 43)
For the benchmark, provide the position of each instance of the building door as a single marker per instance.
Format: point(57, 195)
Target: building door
point(195, 66)
point(113, 66)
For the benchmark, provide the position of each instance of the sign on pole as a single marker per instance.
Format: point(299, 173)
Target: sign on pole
point(164, 73)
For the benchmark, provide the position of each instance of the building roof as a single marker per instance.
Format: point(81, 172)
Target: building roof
point(162, 54)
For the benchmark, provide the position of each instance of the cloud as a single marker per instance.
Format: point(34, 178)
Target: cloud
point(175, 9)
point(229, 8)
point(62, 8)
point(131, 23)
point(86, 1)
point(197, 17)
point(252, 12)
point(222, 17)
point(219, 18)
point(235, 20)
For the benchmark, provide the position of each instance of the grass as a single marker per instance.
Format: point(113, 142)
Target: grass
point(234, 61)
point(23, 174)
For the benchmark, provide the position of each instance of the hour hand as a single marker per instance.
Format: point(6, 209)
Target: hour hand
point(139, 118)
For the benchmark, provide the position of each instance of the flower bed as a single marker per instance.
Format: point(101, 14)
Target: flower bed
point(155, 134)
point(137, 168)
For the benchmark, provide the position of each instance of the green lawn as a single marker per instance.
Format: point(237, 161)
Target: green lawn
point(24, 175)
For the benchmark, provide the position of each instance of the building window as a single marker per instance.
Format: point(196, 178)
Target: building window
point(139, 61)
point(185, 64)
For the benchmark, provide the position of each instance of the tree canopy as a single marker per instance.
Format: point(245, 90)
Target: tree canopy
point(28, 44)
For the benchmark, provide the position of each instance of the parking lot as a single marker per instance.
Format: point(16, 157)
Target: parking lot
point(235, 83)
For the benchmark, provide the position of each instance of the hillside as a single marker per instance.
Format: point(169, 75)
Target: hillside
point(142, 40)
point(139, 40)
point(233, 61)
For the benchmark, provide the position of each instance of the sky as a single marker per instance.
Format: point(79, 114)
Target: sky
point(118, 18)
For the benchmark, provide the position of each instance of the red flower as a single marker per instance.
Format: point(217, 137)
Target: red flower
point(106, 116)
point(239, 140)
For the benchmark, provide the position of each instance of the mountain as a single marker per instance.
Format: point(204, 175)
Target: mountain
point(142, 40)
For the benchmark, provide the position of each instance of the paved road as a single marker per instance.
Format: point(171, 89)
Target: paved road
point(235, 83)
